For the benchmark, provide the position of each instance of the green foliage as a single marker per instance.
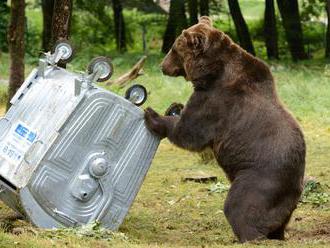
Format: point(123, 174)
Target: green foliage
point(219, 187)
point(96, 29)
point(314, 28)
point(93, 28)
point(152, 24)
point(314, 193)
point(92, 23)
point(146, 6)
point(4, 20)
point(90, 30)
point(92, 230)
point(312, 9)
point(32, 39)
point(314, 36)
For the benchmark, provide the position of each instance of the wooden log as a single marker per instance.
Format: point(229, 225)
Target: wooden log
point(200, 177)
point(135, 72)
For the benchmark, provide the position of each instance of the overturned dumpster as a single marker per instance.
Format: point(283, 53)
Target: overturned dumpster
point(72, 153)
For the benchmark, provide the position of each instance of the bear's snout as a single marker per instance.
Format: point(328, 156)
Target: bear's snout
point(167, 70)
point(172, 68)
point(172, 71)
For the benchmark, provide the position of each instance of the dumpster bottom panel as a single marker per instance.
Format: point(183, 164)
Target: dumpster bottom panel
point(81, 152)
point(95, 167)
point(35, 213)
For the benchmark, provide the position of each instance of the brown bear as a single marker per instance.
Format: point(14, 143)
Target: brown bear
point(235, 111)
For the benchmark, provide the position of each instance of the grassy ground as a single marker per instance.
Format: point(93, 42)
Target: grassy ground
point(171, 213)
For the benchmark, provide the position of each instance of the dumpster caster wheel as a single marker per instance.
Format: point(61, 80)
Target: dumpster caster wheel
point(174, 109)
point(63, 48)
point(104, 65)
point(136, 94)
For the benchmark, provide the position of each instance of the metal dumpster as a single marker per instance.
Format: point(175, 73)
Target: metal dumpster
point(72, 153)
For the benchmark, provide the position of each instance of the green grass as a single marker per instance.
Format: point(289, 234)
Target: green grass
point(171, 213)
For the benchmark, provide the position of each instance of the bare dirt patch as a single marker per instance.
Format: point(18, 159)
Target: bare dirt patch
point(320, 231)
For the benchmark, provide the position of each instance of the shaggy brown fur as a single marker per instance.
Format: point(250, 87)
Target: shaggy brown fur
point(235, 111)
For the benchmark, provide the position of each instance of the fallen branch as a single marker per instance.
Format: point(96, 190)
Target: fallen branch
point(135, 72)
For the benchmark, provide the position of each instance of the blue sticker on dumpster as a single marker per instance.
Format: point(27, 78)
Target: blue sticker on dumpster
point(32, 136)
point(17, 143)
point(25, 133)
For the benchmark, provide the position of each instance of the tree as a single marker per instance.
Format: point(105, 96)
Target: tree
point(120, 32)
point(177, 21)
point(270, 30)
point(16, 46)
point(242, 30)
point(204, 7)
point(61, 22)
point(47, 14)
point(327, 49)
point(193, 11)
point(289, 11)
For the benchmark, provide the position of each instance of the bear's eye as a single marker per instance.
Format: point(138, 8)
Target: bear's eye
point(174, 50)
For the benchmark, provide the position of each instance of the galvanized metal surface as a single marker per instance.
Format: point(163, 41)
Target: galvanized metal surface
point(71, 156)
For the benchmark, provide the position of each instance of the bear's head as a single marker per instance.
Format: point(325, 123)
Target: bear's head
point(195, 53)
point(208, 57)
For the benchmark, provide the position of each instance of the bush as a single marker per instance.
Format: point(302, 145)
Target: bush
point(314, 193)
point(314, 35)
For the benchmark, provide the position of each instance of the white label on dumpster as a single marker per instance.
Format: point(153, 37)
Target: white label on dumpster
point(16, 144)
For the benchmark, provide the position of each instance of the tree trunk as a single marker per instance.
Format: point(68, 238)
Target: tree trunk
point(270, 30)
point(177, 21)
point(61, 22)
point(327, 50)
point(47, 14)
point(120, 32)
point(16, 47)
point(241, 27)
point(204, 7)
point(289, 10)
point(193, 11)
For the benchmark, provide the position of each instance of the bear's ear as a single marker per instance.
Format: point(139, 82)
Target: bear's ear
point(206, 20)
point(196, 41)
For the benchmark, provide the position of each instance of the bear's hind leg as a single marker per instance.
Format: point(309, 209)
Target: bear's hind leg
point(242, 210)
point(279, 233)
point(250, 211)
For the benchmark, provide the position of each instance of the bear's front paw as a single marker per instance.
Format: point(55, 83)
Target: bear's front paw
point(155, 123)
